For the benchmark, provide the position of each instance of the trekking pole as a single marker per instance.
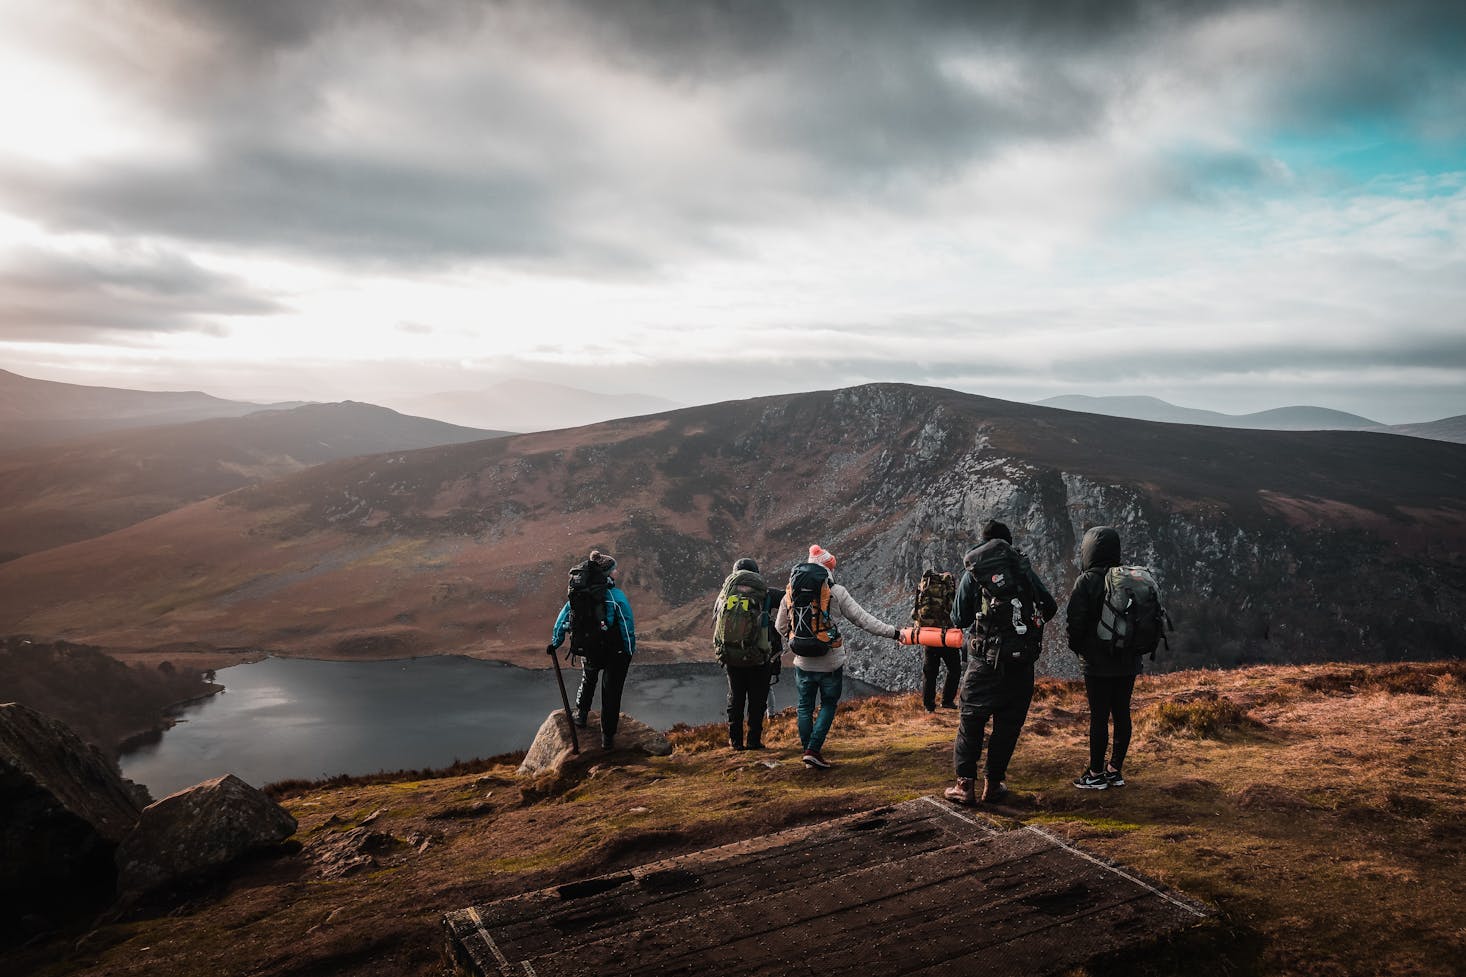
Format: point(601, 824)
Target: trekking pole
point(569, 719)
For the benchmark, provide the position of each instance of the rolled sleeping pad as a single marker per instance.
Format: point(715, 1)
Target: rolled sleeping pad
point(933, 637)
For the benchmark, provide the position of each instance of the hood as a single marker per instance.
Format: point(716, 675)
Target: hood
point(1101, 548)
point(983, 550)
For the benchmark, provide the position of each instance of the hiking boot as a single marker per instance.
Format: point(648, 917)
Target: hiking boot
point(812, 758)
point(608, 742)
point(735, 736)
point(961, 792)
point(1114, 776)
point(949, 705)
point(1089, 780)
point(580, 718)
point(994, 791)
point(755, 737)
point(755, 744)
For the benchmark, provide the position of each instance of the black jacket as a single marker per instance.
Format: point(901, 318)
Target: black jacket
point(1099, 551)
point(968, 601)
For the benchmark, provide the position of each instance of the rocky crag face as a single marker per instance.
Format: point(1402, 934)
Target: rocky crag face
point(1270, 546)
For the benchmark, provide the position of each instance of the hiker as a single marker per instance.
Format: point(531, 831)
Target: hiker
point(933, 609)
point(807, 620)
point(1004, 604)
point(748, 647)
point(1110, 662)
point(598, 618)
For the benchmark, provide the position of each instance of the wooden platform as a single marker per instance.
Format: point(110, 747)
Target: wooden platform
point(921, 888)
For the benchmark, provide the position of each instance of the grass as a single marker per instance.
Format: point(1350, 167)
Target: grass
point(1317, 809)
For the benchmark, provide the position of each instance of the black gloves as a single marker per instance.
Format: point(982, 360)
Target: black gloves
point(550, 650)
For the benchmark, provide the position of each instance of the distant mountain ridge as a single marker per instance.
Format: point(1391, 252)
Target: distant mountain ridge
point(1298, 418)
point(55, 494)
point(532, 405)
point(1272, 546)
point(42, 411)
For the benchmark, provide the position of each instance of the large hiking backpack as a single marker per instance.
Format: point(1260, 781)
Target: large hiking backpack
point(594, 635)
point(741, 625)
point(1007, 629)
point(1132, 619)
point(934, 597)
point(811, 632)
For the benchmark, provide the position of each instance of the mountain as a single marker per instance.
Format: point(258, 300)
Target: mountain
point(532, 405)
point(41, 411)
point(1445, 429)
point(1271, 546)
point(84, 487)
point(1154, 409)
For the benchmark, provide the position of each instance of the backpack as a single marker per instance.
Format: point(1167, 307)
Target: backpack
point(811, 633)
point(741, 625)
point(1132, 619)
point(593, 632)
point(1007, 630)
point(934, 597)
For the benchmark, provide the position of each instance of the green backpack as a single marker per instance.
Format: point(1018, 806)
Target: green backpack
point(741, 626)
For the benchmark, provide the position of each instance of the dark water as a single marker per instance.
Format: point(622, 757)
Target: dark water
point(285, 718)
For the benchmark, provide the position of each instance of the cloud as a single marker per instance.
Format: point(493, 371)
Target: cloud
point(74, 297)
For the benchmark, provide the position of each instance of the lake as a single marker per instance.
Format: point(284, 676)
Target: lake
point(285, 718)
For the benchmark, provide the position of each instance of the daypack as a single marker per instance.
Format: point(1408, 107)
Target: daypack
point(593, 634)
point(1132, 618)
point(1007, 629)
point(741, 625)
point(811, 632)
point(934, 596)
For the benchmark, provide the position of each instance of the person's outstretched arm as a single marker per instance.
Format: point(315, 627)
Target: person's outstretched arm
point(967, 602)
point(851, 611)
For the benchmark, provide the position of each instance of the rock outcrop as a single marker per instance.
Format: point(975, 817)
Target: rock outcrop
point(550, 750)
point(197, 831)
point(63, 809)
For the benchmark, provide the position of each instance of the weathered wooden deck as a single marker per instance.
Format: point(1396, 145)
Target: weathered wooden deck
point(915, 889)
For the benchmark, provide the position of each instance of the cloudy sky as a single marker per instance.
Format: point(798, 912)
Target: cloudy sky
point(1228, 205)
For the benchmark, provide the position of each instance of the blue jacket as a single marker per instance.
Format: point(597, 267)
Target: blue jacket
point(618, 609)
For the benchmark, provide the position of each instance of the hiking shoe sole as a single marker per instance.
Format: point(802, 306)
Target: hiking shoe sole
point(816, 761)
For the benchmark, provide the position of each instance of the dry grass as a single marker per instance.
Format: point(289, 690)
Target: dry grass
point(1330, 837)
point(1207, 716)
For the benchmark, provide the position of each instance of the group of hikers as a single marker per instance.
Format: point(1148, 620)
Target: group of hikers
point(993, 618)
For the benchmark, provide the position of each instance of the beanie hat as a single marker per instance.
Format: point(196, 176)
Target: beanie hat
point(603, 560)
point(746, 564)
point(992, 529)
point(818, 554)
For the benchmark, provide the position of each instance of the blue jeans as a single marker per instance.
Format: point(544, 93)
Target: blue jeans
point(813, 729)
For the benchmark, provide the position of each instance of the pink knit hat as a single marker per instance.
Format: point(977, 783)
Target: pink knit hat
point(818, 554)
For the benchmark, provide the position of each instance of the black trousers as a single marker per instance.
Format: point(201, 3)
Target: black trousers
point(614, 672)
point(932, 659)
point(748, 690)
point(1002, 695)
point(1109, 699)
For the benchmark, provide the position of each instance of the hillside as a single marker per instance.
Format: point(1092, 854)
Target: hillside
point(1298, 418)
point(1445, 429)
point(1317, 809)
point(1261, 538)
point(104, 701)
point(62, 493)
point(42, 411)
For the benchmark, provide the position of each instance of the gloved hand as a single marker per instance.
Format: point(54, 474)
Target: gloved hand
point(550, 650)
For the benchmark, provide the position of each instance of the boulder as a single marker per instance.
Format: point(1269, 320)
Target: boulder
point(550, 750)
point(196, 832)
point(63, 808)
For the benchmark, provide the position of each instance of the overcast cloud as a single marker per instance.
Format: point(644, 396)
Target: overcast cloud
point(1231, 205)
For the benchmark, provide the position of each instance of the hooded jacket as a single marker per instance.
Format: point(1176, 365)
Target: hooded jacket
point(1099, 551)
